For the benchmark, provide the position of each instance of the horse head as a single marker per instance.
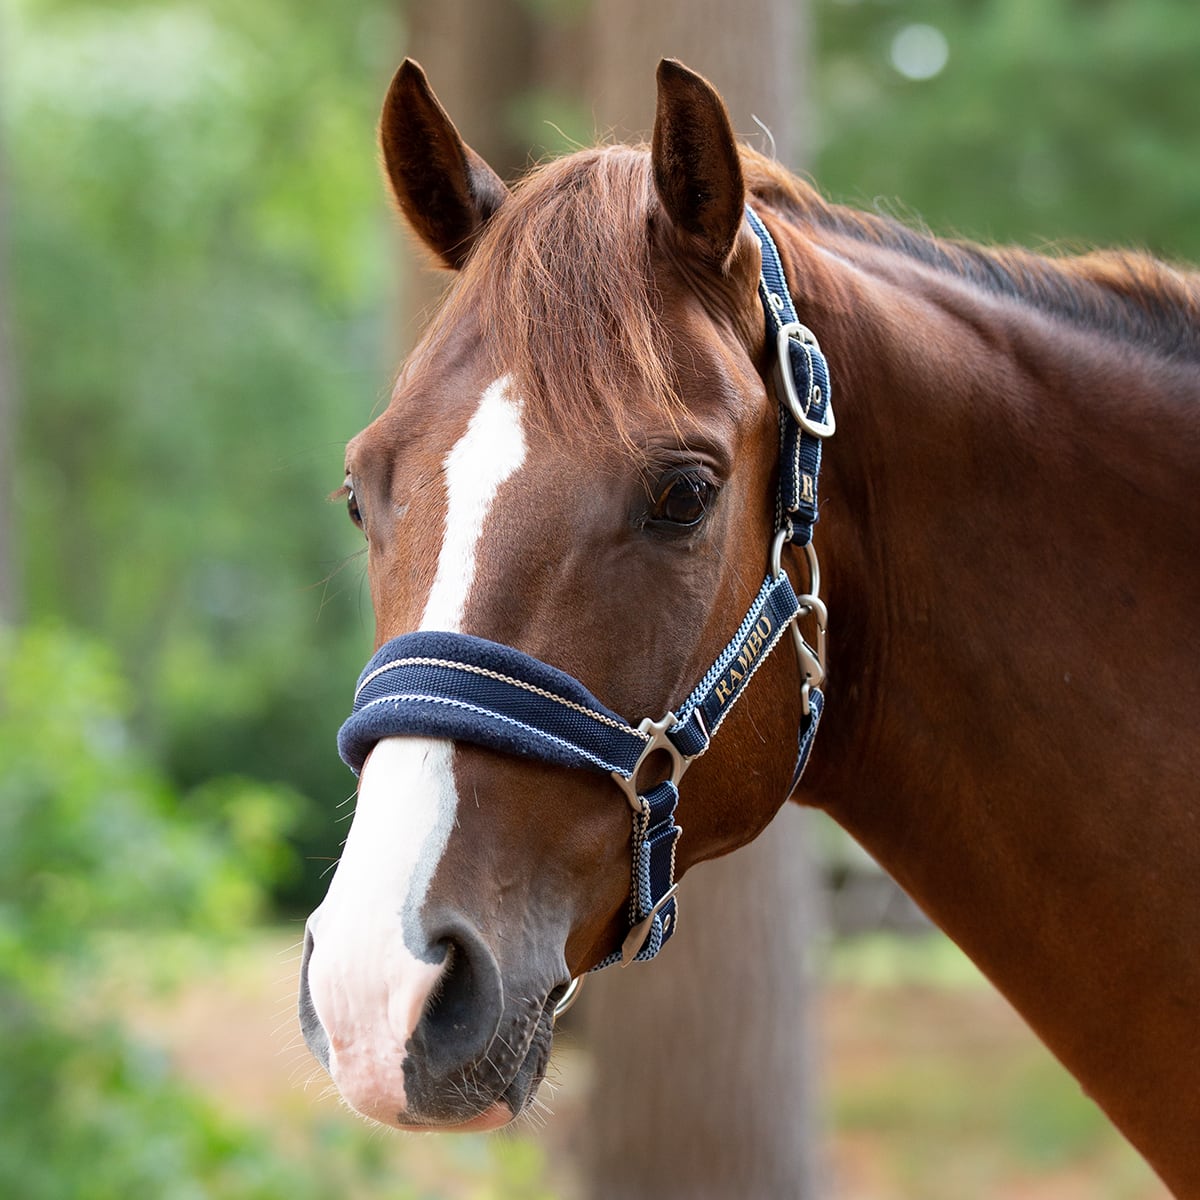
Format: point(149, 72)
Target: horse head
point(578, 461)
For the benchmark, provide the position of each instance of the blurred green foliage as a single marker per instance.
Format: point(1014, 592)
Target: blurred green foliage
point(199, 267)
point(1048, 122)
point(91, 841)
point(90, 832)
point(201, 283)
point(93, 844)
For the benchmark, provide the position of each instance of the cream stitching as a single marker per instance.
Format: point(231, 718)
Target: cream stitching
point(485, 712)
point(520, 683)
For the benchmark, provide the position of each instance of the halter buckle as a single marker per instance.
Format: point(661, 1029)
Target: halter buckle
point(635, 939)
point(658, 740)
point(798, 405)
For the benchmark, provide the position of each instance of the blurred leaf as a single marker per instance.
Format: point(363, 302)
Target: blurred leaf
point(1051, 121)
point(91, 840)
point(196, 225)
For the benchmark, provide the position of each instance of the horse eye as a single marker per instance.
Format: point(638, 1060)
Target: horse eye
point(352, 504)
point(682, 499)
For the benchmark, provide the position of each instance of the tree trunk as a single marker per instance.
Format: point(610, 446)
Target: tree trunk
point(704, 1079)
point(703, 1065)
point(480, 56)
point(754, 51)
point(703, 1076)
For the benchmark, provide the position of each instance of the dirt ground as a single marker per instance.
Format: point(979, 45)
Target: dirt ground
point(935, 1091)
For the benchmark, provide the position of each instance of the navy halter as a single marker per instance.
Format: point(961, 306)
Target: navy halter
point(453, 685)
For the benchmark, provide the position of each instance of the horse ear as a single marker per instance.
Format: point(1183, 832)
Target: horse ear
point(697, 171)
point(445, 190)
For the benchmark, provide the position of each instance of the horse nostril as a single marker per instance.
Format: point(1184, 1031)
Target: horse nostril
point(463, 1013)
point(450, 1005)
point(310, 1023)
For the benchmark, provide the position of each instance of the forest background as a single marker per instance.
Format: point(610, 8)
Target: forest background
point(198, 286)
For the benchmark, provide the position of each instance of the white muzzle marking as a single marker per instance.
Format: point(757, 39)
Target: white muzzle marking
point(368, 980)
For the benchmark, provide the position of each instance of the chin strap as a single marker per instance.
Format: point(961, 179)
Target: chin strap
point(453, 685)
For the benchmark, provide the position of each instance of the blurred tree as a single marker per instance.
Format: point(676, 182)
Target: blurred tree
point(481, 60)
point(722, 1044)
point(709, 1090)
point(195, 233)
point(1041, 121)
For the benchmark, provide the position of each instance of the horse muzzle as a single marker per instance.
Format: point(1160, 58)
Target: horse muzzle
point(424, 1041)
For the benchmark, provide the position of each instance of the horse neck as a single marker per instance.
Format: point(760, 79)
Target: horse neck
point(1014, 660)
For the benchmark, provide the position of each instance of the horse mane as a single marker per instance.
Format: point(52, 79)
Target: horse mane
point(562, 286)
point(1122, 294)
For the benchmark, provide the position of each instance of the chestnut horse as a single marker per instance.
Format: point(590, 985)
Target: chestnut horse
point(579, 461)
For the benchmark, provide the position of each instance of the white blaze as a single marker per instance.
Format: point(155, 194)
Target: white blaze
point(367, 985)
point(491, 450)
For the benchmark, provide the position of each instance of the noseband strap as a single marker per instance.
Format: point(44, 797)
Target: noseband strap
point(453, 685)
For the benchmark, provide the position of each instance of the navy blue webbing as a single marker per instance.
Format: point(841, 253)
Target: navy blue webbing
point(799, 452)
point(452, 685)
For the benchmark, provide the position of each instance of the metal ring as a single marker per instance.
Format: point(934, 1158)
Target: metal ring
point(814, 569)
point(568, 997)
point(656, 733)
point(783, 538)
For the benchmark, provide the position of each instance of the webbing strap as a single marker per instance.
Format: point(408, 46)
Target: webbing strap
point(773, 610)
point(453, 685)
point(652, 910)
point(805, 395)
point(804, 402)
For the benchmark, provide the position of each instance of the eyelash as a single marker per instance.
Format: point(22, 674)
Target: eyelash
point(682, 499)
point(346, 492)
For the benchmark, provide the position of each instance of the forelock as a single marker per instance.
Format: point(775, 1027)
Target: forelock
point(562, 287)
